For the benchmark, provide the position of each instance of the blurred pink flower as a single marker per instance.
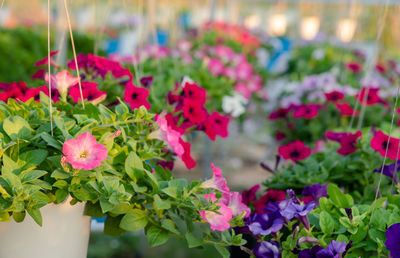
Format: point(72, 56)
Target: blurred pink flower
point(233, 200)
point(170, 136)
point(215, 66)
point(84, 152)
point(62, 81)
point(217, 182)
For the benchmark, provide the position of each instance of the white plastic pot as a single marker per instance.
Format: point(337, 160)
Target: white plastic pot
point(64, 234)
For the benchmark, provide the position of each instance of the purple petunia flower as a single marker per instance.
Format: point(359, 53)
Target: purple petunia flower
point(289, 209)
point(333, 250)
point(265, 224)
point(310, 253)
point(267, 249)
point(393, 240)
point(388, 170)
point(316, 191)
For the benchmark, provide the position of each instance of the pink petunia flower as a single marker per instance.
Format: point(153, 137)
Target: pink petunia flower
point(84, 152)
point(233, 200)
point(334, 96)
point(217, 182)
point(136, 96)
point(371, 98)
point(345, 109)
point(380, 142)
point(169, 135)
point(62, 81)
point(307, 111)
point(215, 66)
point(354, 67)
point(218, 221)
point(244, 71)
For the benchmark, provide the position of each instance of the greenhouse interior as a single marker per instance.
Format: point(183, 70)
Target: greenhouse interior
point(199, 128)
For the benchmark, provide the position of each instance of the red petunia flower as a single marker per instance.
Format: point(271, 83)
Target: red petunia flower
point(194, 92)
point(194, 111)
point(381, 141)
point(39, 74)
point(186, 157)
point(345, 109)
point(34, 93)
point(271, 196)
point(372, 97)
point(89, 92)
point(354, 67)
point(295, 151)
point(216, 124)
point(45, 60)
point(334, 96)
point(306, 111)
point(279, 135)
point(136, 96)
point(279, 113)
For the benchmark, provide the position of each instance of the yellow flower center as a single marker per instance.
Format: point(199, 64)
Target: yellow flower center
point(83, 154)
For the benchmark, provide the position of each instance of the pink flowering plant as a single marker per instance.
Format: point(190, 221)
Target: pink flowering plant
point(108, 160)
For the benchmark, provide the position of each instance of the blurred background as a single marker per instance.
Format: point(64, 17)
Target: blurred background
point(106, 27)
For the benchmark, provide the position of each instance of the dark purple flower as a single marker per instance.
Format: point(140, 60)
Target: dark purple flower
point(393, 240)
point(310, 253)
point(388, 170)
point(265, 224)
point(333, 250)
point(146, 81)
point(272, 207)
point(316, 191)
point(267, 249)
point(250, 195)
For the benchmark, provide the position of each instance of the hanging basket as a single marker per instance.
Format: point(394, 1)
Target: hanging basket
point(64, 234)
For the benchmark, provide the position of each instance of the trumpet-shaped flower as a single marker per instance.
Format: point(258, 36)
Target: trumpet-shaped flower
point(84, 152)
point(294, 151)
point(233, 200)
point(170, 136)
point(62, 81)
point(218, 221)
point(217, 182)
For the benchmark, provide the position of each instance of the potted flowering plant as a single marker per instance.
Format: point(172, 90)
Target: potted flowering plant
point(103, 163)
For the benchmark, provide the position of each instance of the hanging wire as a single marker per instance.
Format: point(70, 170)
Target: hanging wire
point(380, 29)
point(48, 64)
point(73, 50)
point(133, 55)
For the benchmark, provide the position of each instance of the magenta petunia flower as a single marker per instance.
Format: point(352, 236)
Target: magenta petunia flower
point(371, 98)
point(62, 81)
point(136, 96)
point(307, 111)
point(216, 124)
point(90, 92)
point(45, 60)
point(218, 221)
point(195, 93)
point(34, 93)
point(345, 109)
point(187, 157)
point(354, 67)
point(295, 151)
point(250, 195)
point(279, 113)
point(217, 182)
point(84, 152)
point(380, 142)
point(334, 96)
point(194, 111)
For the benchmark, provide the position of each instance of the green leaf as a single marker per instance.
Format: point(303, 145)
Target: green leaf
point(171, 191)
point(32, 158)
point(132, 163)
point(326, 222)
point(134, 220)
point(18, 216)
point(51, 141)
point(169, 225)
point(31, 175)
point(17, 128)
point(111, 226)
point(59, 174)
point(340, 199)
point(192, 241)
point(156, 236)
point(161, 204)
point(93, 210)
point(222, 251)
point(36, 215)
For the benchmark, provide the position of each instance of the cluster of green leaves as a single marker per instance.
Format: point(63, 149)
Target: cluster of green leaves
point(21, 47)
point(330, 221)
point(304, 63)
point(123, 188)
point(353, 172)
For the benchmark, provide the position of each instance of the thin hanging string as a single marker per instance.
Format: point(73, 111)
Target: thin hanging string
point(48, 65)
point(133, 55)
point(380, 29)
point(95, 27)
point(73, 50)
